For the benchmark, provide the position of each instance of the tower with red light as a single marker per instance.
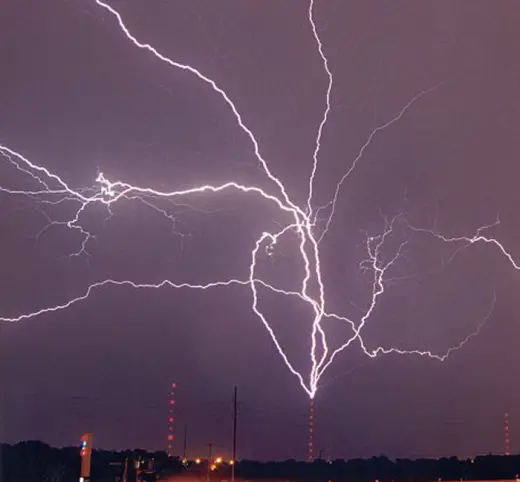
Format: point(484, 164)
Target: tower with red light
point(171, 419)
point(506, 434)
point(311, 431)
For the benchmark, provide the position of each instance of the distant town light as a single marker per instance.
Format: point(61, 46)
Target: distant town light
point(197, 461)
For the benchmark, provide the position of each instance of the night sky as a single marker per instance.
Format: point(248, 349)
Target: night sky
point(78, 98)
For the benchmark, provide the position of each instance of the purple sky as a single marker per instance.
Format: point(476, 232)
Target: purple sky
point(78, 98)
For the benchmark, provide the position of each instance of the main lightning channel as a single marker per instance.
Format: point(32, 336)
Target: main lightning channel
point(302, 220)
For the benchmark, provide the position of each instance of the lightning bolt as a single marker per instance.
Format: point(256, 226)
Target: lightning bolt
point(467, 241)
point(327, 106)
point(51, 189)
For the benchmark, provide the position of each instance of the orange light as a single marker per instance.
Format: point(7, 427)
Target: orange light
point(231, 462)
point(213, 467)
point(218, 460)
point(197, 461)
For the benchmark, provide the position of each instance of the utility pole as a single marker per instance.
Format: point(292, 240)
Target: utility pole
point(209, 462)
point(234, 458)
point(185, 440)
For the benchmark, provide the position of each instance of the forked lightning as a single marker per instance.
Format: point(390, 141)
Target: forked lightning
point(300, 220)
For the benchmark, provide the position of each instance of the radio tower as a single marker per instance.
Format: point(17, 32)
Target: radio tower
point(311, 431)
point(506, 433)
point(171, 406)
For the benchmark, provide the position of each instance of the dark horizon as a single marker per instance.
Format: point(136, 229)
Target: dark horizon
point(204, 457)
point(30, 461)
point(79, 99)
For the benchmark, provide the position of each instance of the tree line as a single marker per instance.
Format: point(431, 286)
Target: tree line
point(34, 461)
